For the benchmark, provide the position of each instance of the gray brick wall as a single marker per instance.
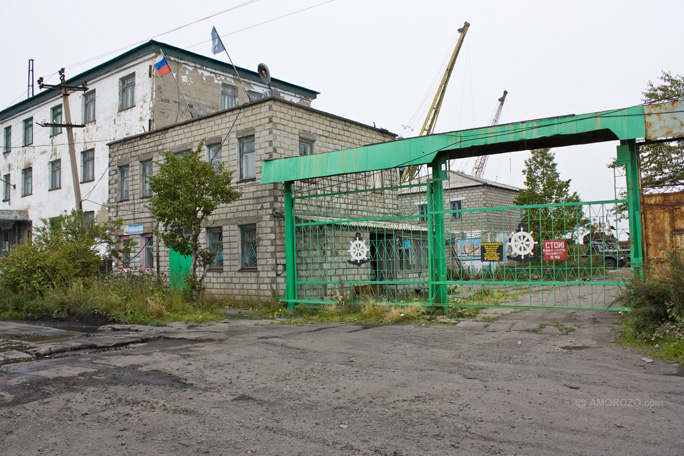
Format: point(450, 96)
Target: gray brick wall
point(277, 127)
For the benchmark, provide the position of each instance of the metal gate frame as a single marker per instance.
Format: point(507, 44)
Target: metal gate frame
point(653, 122)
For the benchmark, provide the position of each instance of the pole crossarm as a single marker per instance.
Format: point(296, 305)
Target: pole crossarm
point(650, 122)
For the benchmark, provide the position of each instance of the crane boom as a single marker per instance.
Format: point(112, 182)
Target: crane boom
point(410, 172)
point(481, 162)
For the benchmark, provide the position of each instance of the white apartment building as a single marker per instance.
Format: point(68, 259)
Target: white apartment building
point(125, 97)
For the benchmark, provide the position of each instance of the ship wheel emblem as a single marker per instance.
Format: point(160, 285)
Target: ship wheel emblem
point(522, 245)
point(358, 251)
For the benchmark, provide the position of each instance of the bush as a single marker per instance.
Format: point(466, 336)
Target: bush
point(657, 298)
point(62, 250)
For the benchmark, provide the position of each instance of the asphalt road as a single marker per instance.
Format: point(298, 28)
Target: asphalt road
point(504, 386)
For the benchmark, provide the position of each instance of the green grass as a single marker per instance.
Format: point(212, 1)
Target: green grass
point(665, 348)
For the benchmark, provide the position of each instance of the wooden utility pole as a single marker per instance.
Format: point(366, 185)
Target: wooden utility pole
point(65, 89)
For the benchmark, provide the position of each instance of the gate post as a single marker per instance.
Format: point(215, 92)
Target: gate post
point(627, 155)
point(290, 246)
point(437, 214)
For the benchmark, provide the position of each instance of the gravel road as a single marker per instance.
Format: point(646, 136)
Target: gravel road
point(501, 386)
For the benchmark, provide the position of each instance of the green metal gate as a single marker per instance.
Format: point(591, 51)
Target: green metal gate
point(351, 228)
point(404, 236)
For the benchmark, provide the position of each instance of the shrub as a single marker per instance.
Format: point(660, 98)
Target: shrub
point(658, 296)
point(63, 249)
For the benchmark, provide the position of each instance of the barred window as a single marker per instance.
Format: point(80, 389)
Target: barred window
point(248, 246)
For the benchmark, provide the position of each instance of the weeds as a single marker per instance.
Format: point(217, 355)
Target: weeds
point(656, 321)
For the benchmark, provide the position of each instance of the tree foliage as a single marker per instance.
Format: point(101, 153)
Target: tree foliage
point(662, 165)
point(187, 190)
point(63, 249)
point(543, 185)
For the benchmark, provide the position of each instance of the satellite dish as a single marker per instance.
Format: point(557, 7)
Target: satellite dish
point(264, 73)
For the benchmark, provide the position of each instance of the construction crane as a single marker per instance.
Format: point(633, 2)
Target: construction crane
point(481, 162)
point(410, 172)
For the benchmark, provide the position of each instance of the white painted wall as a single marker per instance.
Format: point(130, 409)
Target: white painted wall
point(109, 124)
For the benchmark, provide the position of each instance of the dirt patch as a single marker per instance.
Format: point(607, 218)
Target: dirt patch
point(243, 387)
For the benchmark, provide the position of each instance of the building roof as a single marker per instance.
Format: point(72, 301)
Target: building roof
point(144, 49)
point(466, 180)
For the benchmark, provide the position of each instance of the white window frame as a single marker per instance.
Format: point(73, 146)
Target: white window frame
point(124, 182)
point(8, 139)
point(306, 147)
point(247, 168)
point(214, 154)
point(56, 118)
point(89, 106)
point(147, 241)
point(422, 211)
point(55, 174)
point(215, 245)
point(251, 261)
point(127, 92)
point(7, 187)
point(27, 181)
point(28, 131)
point(456, 215)
point(228, 96)
point(146, 171)
point(88, 165)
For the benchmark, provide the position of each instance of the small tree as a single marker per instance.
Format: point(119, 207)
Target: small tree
point(543, 185)
point(661, 164)
point(187, 190)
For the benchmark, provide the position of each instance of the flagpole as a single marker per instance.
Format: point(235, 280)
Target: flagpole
point(179, 89)
point(237, 74)
point(216, 41)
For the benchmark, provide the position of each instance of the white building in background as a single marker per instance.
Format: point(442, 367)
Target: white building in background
point(125, 97)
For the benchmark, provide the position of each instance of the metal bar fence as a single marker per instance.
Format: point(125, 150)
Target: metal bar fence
point(365, 234)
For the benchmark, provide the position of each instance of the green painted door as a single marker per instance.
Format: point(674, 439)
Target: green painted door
point(179, 265)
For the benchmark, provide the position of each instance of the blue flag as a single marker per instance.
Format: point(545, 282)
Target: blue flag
point(216, 43)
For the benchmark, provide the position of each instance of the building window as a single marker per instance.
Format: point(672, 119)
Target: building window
point(422, 211)
point(88, 165)
point(214, 155)
point(456, 206)
point(123, 182)
point(400, 173)
point(146, 168)
point(247, 158)
point(6, 188)
point(305, 147)
point(127, 92)
point(228, 96)
point(89, 218)
point(148, 252)
point(55, 174)
point(8, 139)
point(89, 107)
point(28, 131)
point(215, 245)
point(56, 116)
point(248, 246)
point(26, 181)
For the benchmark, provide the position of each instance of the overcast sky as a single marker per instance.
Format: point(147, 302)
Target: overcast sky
point(379, 61)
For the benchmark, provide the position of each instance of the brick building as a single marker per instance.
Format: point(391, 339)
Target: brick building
point(248, 235)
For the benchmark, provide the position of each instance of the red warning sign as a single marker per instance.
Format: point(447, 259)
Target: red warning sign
point(554, 250)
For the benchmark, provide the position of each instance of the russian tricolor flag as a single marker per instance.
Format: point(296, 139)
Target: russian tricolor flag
point(162, 66)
